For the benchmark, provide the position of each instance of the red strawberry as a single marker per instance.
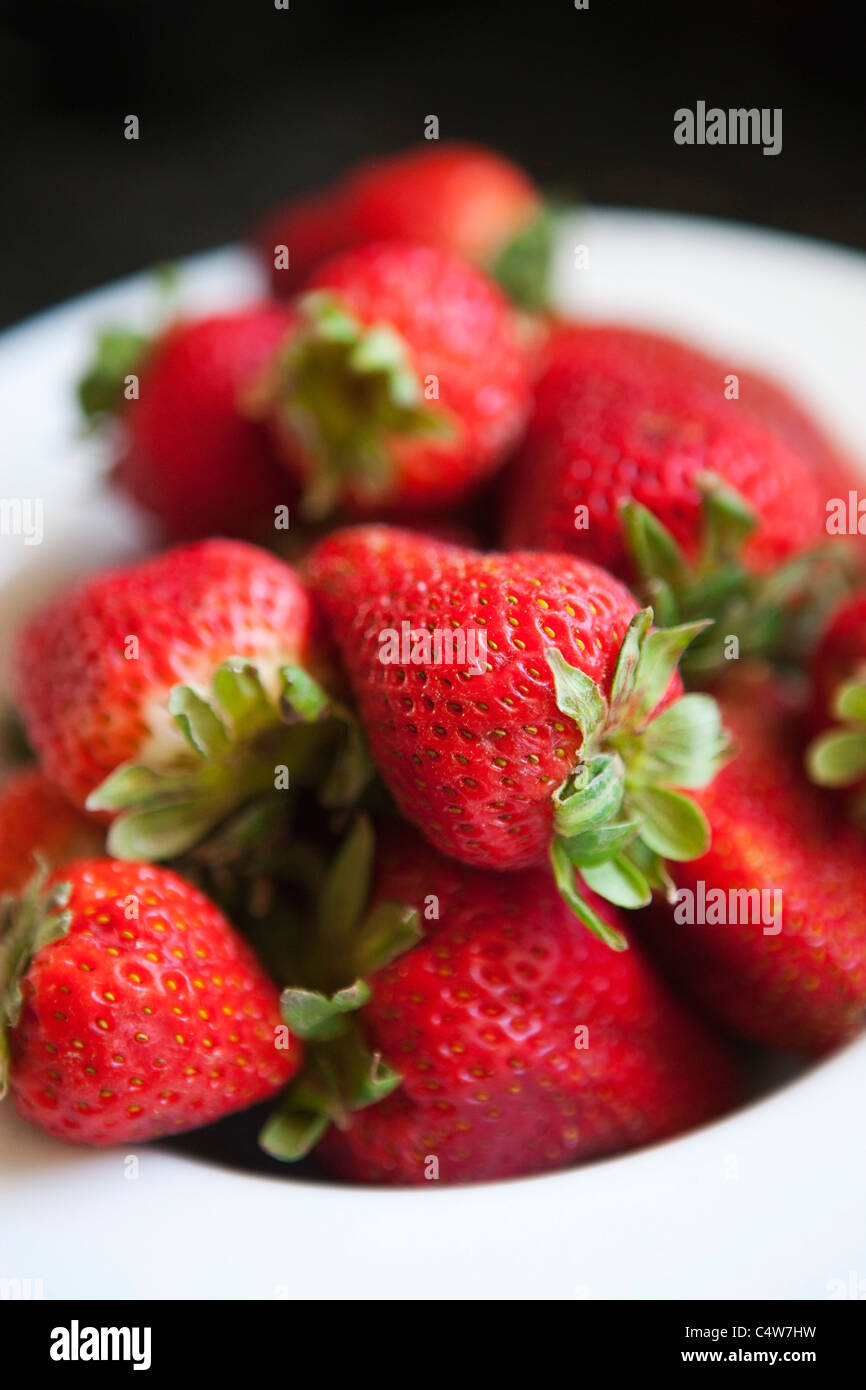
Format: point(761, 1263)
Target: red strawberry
point(635, 459)
point(837, 757)
point(37, 824)
point(113, 681)
point(505, 1043)
point(133, 1008)
point(460, 198)
point(790, 970)
point(759, 397)
point(187, 452)
point(406, 384)
point(553, 718)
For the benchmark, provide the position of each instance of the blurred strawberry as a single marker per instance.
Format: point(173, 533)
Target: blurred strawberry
point(405, 385)
point(635, 459)
point(37, 825)
point(187, 452)
point(461, 198)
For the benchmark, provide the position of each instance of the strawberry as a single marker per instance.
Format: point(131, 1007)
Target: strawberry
point(635, 459)
point(544, 717)
point(759, 396)
point(788, 971)
point(405, 385)
point(38, 825)
point(460, 198)
point(114, 686)
point(504, 1043)
point(837, 756)
point(132, 1009)
point(187, 452)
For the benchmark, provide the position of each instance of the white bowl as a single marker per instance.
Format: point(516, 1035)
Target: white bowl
point(769, 1203)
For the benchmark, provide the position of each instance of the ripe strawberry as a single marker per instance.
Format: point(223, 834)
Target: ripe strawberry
point(759, 397)
point(405, 385)
point(558, 715)
point(790, 971)
point(460, 198)
point(113, 678)
point(635, 459)
point(37, 824)
point(837, 757)
point(505, 1043)
point(132, 1009)
point(187, 453)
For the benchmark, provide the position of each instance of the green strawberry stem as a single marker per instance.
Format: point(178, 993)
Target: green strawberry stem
point(775, 614)
point(344, 391)
point(119, 353)
point(345, 943)
point(522, 266)
point(622, 811)
point(837, 758)
point(236, 743)
point(27, 923)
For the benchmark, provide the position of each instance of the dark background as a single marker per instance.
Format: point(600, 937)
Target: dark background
point(241, 104)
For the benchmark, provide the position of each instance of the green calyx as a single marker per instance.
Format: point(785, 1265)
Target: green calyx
point(622, 812)
point(345, 391)
point(522, 266)
point(242, 753)
point(119, 354)
point(837, 758)
point(346, 944)
point(27, 923)
point(765, 614)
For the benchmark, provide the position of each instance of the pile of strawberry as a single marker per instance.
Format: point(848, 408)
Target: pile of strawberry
point(281, 843)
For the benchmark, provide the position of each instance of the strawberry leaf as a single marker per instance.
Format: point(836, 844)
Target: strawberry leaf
point(771, 614)
point(683, 746)
point(577, 695)
point(522, 267)
point(850, 702)
point(238, 746)
point(38, 917)
point(838, 758)
point(312, 1016)
point(198, 722)
point(671, 824)
point(619, 881)
point(563, 873)
point(590, 796)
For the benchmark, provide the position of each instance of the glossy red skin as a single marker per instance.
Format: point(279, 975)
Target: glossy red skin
point(461, 198)
point(189, 1040)
point(189, 454)
point(802, 990)
point(839, 658)
point(38, 825)
point(471, 759)
point(480, 1020)
point(760, 397)
point(87, 708)
point(457, 326)
point(618, 415)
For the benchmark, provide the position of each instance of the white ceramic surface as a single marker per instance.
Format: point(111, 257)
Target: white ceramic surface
point(770, 1203)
